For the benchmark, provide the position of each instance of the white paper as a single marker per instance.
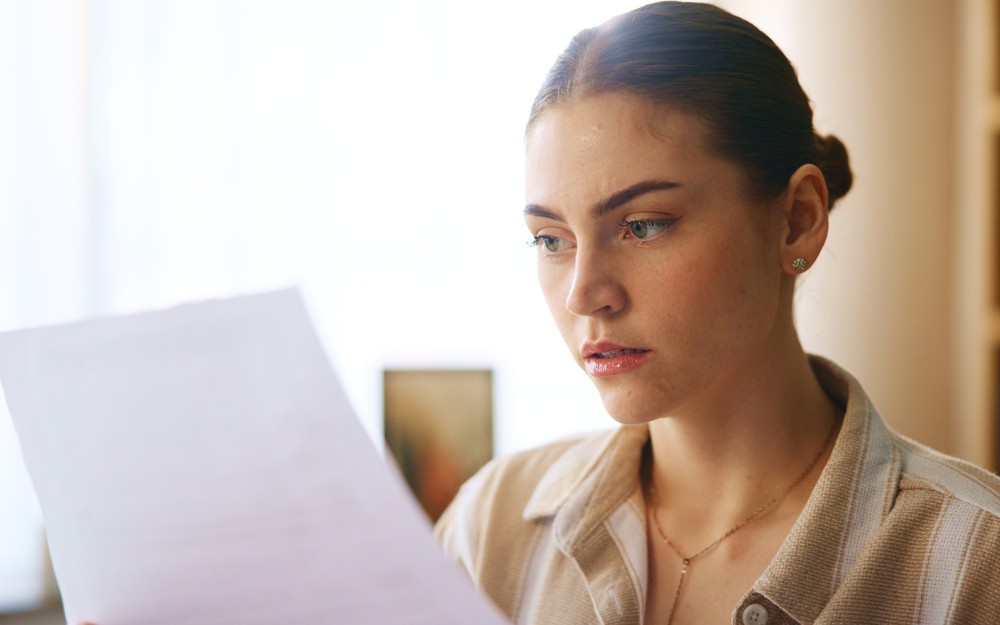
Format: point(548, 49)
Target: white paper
point(202, 465)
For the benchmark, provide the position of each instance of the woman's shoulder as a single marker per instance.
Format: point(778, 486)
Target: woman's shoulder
point(494, 500)
point(518, 474)
point(936, 547)
point(924, 468)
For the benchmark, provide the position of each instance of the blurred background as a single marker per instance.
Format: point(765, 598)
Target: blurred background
point(160, 151)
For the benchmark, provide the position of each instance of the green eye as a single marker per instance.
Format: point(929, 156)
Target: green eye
point(551, 244)
point(644, 229)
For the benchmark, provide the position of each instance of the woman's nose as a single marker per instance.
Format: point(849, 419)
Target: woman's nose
point(595, 289)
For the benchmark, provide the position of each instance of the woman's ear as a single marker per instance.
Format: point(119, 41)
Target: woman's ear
point(805, 219)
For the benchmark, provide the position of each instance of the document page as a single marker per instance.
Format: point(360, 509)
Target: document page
point(202, 465)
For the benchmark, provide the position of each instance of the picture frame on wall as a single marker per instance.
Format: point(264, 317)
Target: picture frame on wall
point(438, 426)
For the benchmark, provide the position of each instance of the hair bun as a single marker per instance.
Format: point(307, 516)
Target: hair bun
point(832, 159)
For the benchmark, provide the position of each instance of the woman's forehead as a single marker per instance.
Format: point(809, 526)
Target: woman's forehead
point(609, 121)
point(581, 152)
point(610, 141)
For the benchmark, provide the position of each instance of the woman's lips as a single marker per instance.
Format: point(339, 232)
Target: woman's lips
point(605, 359)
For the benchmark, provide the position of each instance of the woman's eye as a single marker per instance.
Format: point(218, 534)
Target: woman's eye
point(644, 229)
point(550, 243)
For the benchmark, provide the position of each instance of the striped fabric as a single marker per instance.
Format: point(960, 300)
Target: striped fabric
point(892, 533)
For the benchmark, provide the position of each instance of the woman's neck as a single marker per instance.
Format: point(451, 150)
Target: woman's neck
point(727, 454)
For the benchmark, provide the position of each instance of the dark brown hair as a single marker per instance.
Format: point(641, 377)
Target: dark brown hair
point(700, 59)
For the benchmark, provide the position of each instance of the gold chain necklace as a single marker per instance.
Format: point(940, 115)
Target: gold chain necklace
point(686, 560)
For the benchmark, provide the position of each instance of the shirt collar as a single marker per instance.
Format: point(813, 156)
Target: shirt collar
point(850, 501)
point(589, 482)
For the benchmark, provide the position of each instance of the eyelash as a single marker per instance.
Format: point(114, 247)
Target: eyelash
point(537, 240)
point(624, 227)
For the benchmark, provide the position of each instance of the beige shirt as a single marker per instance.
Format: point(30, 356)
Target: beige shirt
point(892, 533)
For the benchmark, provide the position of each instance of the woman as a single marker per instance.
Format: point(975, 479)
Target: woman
point(675, 190)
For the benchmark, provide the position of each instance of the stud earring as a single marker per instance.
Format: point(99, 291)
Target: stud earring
point(800, 264)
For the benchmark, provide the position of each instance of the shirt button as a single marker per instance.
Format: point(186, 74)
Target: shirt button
point(755, 614)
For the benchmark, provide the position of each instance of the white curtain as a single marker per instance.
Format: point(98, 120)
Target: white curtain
point(153, 151)
point(45, 230)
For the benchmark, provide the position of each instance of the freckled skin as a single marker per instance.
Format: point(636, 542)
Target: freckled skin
point(705, 295)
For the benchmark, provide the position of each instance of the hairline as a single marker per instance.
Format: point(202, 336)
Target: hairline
point(653, 109)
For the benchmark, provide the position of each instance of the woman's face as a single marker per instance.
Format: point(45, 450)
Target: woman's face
point(663, 277)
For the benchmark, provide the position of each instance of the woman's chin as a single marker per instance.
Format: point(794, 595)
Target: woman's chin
point(626, 410)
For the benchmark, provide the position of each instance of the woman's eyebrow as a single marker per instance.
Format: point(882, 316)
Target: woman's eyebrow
point(610, 203)
point(538, 211)
point(628, 194)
